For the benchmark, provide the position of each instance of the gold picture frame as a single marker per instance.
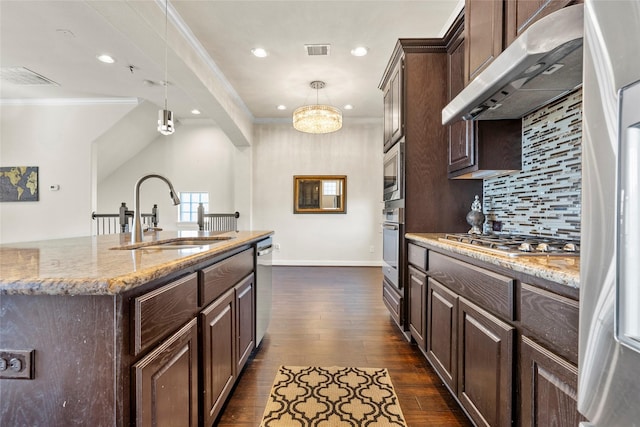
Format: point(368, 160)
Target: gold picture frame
point(320, 194)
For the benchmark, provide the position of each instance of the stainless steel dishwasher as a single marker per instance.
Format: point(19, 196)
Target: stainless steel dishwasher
point(263, 287)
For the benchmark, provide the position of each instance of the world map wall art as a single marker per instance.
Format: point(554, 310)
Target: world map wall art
point(19, 184)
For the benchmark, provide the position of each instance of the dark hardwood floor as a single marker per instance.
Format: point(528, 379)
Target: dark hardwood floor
point(334, 316)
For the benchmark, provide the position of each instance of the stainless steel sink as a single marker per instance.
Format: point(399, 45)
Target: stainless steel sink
point(178, 243)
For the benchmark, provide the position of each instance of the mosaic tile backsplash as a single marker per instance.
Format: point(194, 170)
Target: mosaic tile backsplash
point(542, 199)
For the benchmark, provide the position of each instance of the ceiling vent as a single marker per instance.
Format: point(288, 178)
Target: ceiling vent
point(23, 77)
point(317, 49)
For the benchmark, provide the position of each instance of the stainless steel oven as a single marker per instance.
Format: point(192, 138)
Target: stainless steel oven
point(392, 232)
point(394, 173)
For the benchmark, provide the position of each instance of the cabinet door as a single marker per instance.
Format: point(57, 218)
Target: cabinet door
point(166, 381)
point(461, 152)
point(549, 384)
point(218, 353)
point(417, 305)
point(483, 28)
point(397, 120)
point(442, 332)
point(388, 95)
point(522, 13)
point(245, 320)
point(485, 365)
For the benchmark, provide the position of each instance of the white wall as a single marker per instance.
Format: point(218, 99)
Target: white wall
point(280, 152)
point(57, 139)
point(197, 157)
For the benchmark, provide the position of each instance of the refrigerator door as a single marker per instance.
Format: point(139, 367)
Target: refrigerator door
point(609, 372)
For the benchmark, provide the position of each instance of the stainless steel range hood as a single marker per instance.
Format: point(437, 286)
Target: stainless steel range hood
point(544, 63)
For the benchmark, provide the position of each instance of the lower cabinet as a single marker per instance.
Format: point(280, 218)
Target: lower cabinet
point(548, 387)
point(505, 349)
point(417, 305)
point(245, 320)
point(166, 381)
point(485, 365)
point(472, 351)
point(186, 378)
point(442, 333)
point(218, 354)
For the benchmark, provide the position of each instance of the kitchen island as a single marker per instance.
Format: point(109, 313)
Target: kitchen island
point(500, 331)
point(93, 331)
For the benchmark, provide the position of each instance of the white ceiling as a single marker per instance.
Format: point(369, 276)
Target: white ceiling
point(210, 66)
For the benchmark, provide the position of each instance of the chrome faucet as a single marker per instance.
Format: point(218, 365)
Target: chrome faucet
point(136, 234)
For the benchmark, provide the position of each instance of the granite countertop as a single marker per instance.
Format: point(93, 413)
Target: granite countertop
point(91, 266)
point(558, 269)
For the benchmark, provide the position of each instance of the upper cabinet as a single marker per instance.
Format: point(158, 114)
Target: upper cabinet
point(492, 25)
point(483, 35)
point(393, 107)
point(483, 149)
point(520, 14)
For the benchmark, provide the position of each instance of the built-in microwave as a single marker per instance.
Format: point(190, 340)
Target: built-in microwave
point(394, 172)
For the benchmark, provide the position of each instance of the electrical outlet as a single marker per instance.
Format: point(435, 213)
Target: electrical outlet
point(17, 364)
point(277, 246)
point(372, 249)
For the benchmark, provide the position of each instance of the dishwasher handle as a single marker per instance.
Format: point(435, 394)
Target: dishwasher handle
point(265, 250)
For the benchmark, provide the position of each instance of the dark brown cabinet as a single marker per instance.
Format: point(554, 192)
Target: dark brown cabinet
point(166, 381)
point(506, 348)
point(245, 320)
point(478, 149)
point(417, 306)
point(428, 190)
point(548, 387)
point(442, 333)
point(522, 13)
point(485, 365)
point(218, 354)
point(483, 35)
point(393, 107)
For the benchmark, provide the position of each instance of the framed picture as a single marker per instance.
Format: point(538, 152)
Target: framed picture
point(19, 184)
point(319, 194)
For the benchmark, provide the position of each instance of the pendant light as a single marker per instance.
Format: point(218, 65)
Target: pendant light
point(317, 118)
point(165, 116)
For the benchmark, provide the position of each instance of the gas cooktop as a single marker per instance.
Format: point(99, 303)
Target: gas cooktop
point(515, 245)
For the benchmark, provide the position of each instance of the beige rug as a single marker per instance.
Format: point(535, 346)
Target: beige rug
point(304, 396)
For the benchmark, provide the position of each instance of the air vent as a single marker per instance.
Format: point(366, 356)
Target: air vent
point(24, 77)
point(317, 49)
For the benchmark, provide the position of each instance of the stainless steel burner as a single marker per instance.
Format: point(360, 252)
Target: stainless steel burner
point(516, 245)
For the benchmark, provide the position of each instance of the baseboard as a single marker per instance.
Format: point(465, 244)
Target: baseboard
point(326, 263)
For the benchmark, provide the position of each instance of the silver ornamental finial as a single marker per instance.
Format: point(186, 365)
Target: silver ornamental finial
point(475, 218)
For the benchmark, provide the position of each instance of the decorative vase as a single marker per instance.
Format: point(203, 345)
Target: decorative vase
point(475, 217)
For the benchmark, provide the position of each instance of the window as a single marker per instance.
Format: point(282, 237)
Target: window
point(189, 205)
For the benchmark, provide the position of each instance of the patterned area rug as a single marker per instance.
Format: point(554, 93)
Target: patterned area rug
point(332, 397)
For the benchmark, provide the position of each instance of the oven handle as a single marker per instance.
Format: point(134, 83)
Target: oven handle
point(390, 226)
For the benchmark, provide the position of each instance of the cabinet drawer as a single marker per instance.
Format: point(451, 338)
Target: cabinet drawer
point(393, 301)
point(417, 255)
point(159, 313)
point(552, 319)
point(490, 290)
point(217, 279)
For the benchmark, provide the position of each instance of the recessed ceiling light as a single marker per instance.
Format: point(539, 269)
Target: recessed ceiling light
point(107, 59)
point(281, 107)
point(359, 51)
point(348, 107)
point(195, 111)
point(259, 52)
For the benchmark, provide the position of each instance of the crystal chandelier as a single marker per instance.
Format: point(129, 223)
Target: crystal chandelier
point(317, 118)
point(165, 116)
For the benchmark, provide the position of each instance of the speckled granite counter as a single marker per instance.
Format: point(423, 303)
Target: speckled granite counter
point(91, 265)
point(558, 269)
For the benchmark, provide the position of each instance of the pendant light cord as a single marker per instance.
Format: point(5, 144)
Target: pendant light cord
point(166, 24)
